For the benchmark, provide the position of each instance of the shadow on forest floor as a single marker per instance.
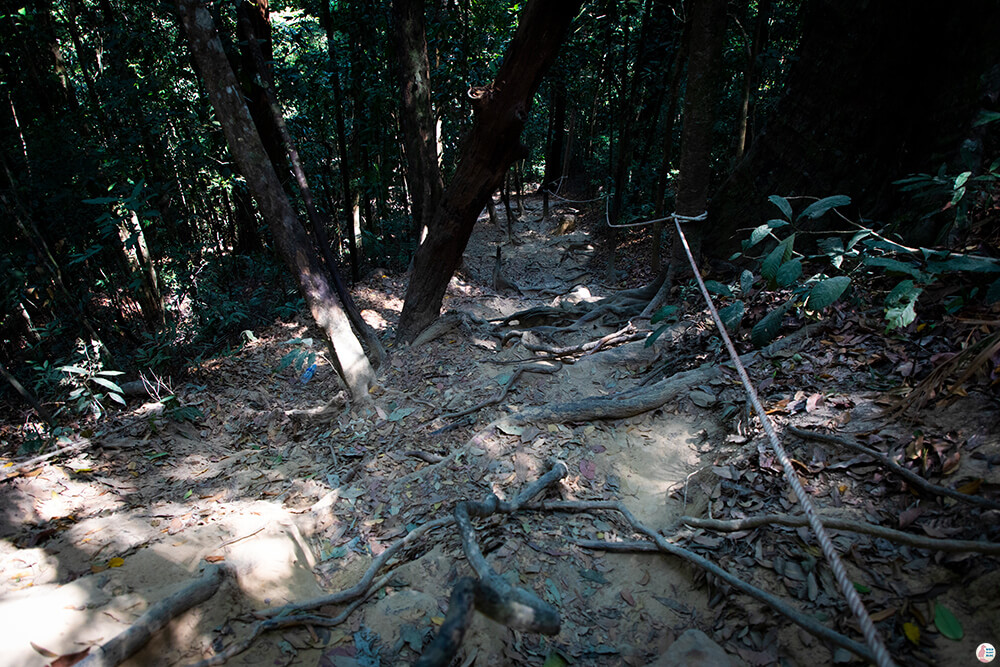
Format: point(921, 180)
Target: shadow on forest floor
point(298, 506)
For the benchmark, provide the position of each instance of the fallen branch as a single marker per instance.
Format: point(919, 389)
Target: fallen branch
point(17, 469)
point(910, 476)
point(776, 603)
point(287, 622)
point(637, 401)
point(128, 643)
point(530, 368)
point(897, 536)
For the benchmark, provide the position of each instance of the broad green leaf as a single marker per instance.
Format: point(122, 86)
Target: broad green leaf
point(782, 204)
point(906, 291)
point(986, 116)
point(116, 398)
point(826, 292)
point(788, 243)
point(893, 265)
point(555, 659)
point(662, 314)
point(715, 287)
point(767, 329)
point(75, 370)
point(900, 316)
point(971, 263)
point(861, 588)
point(818, 208)
point(946, 623)
point(108, 384)
point(789, 272)
point(777, 224)
point(769, 267)
point(651, 338)
point(858, 236)
point(746, 282)
point(110, 373)
point(757, 235)
point(732, 315)
point(993, 292)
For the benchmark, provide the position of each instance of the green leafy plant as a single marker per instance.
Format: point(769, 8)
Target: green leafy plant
point(89, 382)
point(860, 250)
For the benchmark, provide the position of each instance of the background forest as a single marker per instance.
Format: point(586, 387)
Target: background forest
point(132, 242)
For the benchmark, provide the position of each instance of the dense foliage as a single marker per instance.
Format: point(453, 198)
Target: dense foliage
point(130, 238)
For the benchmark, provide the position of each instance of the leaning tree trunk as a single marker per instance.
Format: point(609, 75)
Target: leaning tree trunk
point(417, 116)
point(874, 94)
point(293, 244)
point(501, 110)
point(708, 27)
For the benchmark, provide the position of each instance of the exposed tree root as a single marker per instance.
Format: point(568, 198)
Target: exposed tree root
point(910, 476)
point(529, 368)
point(643, 399)
point(491, 594)
point(835, 523)
point(495, 597)
point(795, 615)
point(128, 643)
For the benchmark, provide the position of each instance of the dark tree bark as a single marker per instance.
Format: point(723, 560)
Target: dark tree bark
point(248, 152)
point(417, 116)
point(667, 155)
point(750, 77)
point(326, 19)
point(556, 133)
point(501, 109)
point(254, 22)
point(874, 94)
point(316, 222)
point(708, 28)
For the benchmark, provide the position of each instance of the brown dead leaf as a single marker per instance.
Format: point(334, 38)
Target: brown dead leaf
point(813, 402)
point(628, 598)
point(70, 658)
point(214, 559)
point(884, 614)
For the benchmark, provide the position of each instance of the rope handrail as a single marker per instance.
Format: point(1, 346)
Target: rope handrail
point(871, 634)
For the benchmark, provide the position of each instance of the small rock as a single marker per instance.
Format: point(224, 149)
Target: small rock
point(694, 649)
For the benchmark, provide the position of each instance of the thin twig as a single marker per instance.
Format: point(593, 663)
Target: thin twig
point(910, 476)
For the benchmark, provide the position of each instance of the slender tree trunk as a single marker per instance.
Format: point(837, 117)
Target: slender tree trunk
point(416, 115)
point(754, 48)
point(660, 192)
point(708, 28)
point(318, 224)
point(501, 110)
point(556, 133)
point(345, 165)
point(293, 244)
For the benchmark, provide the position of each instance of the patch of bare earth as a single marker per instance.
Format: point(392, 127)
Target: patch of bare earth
point(298, 507)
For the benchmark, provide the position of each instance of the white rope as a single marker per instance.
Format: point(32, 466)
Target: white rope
point(871, 634)
point(673, 216)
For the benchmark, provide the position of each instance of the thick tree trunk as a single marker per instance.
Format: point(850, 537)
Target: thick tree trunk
point(708, 27)
point(501, 110)
point(874, 94)
point(417, 116)
point(293, 244)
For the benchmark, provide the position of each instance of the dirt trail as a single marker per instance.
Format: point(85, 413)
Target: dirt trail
point(119, 526)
